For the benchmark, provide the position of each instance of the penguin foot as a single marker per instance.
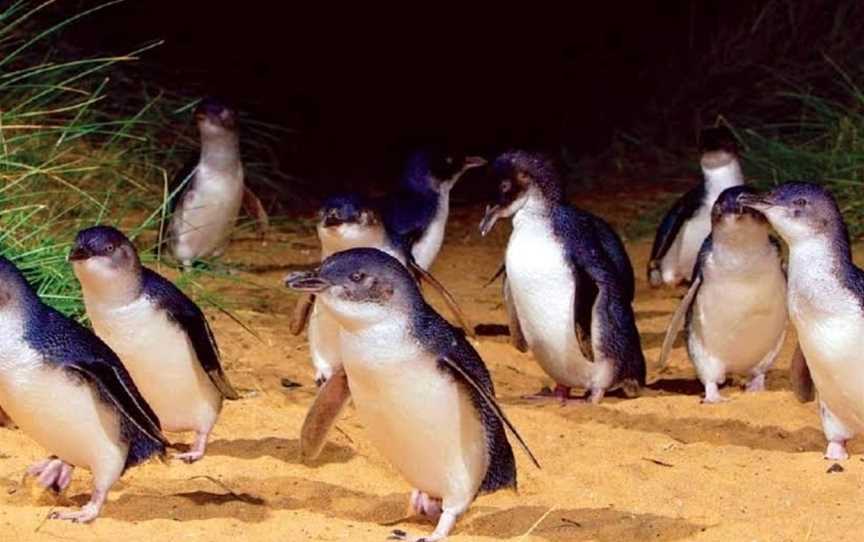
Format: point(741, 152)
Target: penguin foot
point(425, 505)
point(712, 395)
point(87, 513)
point(52, 473)
point(757, 383)
point(562, 395)
point(399, 534)
point(197, 451)
point(836, 451)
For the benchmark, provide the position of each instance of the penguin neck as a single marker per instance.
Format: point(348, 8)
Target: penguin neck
point(120, 291)
point(351, 235)
point(740, 247)
point(720, 178)
point(536, 209)
point(220, 152)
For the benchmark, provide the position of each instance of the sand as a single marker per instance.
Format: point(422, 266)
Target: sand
point(660, 467)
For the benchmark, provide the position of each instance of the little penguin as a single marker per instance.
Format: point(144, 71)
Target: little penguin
point(69, 392)
point(421, 391)
point(416, 214)
point(569, 282)
point(350, 221)
point(205, 208)
point(826, 302)
point(686, 225)
point(735, 310)
point(159, 333)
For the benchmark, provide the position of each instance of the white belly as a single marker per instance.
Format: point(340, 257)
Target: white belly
point(834, 348)
point(426, 249)
point(740, 320)
point(543, 291)
point(416, 416)
point(63, 415)
point(203, 225)
point(162, 362)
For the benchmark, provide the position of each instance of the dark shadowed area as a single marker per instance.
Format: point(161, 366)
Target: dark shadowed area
point(364, 84)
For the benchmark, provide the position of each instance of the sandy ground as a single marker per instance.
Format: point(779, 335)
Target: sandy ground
point(660, 467)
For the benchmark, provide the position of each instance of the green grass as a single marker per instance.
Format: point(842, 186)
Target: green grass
point(823, 141)
point(77, 150)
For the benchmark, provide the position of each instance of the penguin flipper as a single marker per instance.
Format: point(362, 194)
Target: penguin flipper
point(683, 209)
point(253, 206)
point(583, 310)
point(502, 271)
point(517, 338)
point(456, 369)
point(68, 345)
point(119, 388)
point(799, 374)
point(322, 414)
point(192, 321)
point(448, 297)
point(677, 322)
point(301, 313)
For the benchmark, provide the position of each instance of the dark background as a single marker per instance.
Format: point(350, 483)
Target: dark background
point(362, 84)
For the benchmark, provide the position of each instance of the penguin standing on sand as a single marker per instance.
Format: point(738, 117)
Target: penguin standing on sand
point(207, 205)
point(735, 311)
point(681, 232)
point(348, 221)
point(69, 392)
point(422, 392)
point(826, 302)
point(416, 214)
point(569, 282)
point(159, 333)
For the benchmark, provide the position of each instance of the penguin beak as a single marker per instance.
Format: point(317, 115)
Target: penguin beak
point(79, 253)
point(472, 162)
point(306, 281)
point(489, 219)
point(755, 201)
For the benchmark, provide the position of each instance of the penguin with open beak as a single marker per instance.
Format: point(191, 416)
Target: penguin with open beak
point(568, 282)
point(416, 214)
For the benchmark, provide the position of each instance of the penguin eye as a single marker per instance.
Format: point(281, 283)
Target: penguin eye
point(506, 185)
point(109, 248)
point(357, 276)
point(800, 202)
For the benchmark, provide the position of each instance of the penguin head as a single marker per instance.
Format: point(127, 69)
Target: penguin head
point(348, 221)
point(718, 138)
point(521, 175)
point(437, 169)
point(799, 211)
point(104, 260)
point(346, 209)
point(214, 117)
point(360, 286)
point(729, 218)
